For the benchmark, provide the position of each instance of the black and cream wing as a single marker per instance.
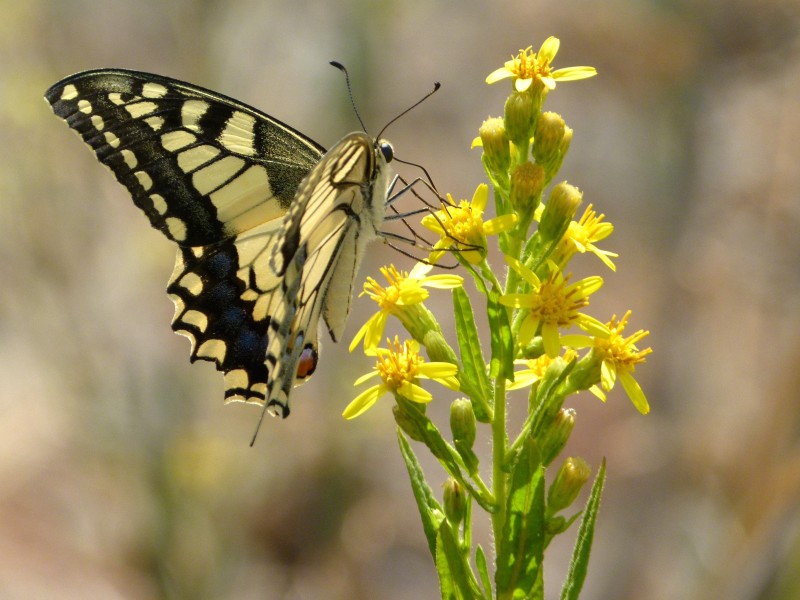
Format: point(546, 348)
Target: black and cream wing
point(253, 307)
point(201, 166)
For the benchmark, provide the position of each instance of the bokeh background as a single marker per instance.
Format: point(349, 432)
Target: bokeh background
point(123, 476)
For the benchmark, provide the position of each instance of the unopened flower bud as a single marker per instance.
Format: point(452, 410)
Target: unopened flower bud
point(409, 421)
point(455, 501)
point(462, 422)
point(462, 425)
point(520, 117)
point(527, 183)
point(569, 481)
point(586, 372)
point(549, 132)
point(560, 210)
point(496, 151)
point(556, 437)
point(437, 347)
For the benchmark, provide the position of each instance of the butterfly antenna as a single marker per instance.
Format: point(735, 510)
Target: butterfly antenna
point(342, 68)
point(436, 87)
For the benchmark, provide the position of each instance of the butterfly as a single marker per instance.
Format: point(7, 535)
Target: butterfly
point(270, 227)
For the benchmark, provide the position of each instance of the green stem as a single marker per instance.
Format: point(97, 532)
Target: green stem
point(499, 450)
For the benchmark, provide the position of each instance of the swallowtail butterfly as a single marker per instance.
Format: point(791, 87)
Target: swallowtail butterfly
point(270, 228)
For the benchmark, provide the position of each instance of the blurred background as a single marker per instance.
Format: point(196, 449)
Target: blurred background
point(123, 476)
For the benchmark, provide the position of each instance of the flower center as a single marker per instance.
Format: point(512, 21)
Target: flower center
point(557, 304)
point(399, 365)
point(528, 65)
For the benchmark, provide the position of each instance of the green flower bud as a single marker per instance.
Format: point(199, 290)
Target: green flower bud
point(560, 210)
point(557, 435)
point(455, 501)
point(496, 151)
point(437, 347)
point(462, 422)
point(527, 183)
point(408, 419)
point(520, 117)
point(549, 132)
point(585, 374)
point(569, 481)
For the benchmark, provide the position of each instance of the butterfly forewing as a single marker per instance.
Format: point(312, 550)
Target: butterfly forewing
point(270, 231)
point(201, 166)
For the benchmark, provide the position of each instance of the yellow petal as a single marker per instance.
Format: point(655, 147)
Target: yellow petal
point(549, 49)
point(415, 393)
point(522, 379)
point(524, 272)
point(522, 84)
point(573, 73)
point(500, 224)
point(363, 401)
point(608, 374)
point(443, 282)
point(528, 329)
point(635, 393)
point(480, 197)
point(518, 300)
point(365, 377)
point(436, 370)
point(551, 339)
point(498, 74)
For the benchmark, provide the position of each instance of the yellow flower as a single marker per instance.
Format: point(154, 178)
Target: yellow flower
point(400, 367)
point(535, 369)
point(462, 228)
point(619, 356)
point(552, 304)
point(581, 236)
point(405, 289)
point(528, 66)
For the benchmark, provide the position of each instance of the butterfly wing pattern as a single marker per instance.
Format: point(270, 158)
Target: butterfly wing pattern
point(270, 228)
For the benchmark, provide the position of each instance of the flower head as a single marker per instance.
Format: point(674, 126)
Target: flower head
point(552, 304)
point(400, 366)
point(405, 289)
point(618, 357)
point(581, 237)
point(462, 227)
point(529, 66)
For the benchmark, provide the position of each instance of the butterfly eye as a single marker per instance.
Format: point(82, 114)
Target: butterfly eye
point(387, 151)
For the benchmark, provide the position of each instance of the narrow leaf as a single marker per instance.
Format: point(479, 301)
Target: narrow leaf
point(522, 546)
point(502, 363)
point(483, 572)
point(446, 586)
point(579, 565)
point(429, 508)
point(473, 364)
point(447, 549)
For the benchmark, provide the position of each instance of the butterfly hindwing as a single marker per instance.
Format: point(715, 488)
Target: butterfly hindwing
point(201, 166)
point(338, 210)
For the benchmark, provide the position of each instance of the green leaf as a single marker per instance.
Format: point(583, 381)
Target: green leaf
point(453, 577)
point(521, 549)
point(579, 565)
point(475, 381)
point(445, 579)
point(429, 508)
point(483, 572)
point(502, 364)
